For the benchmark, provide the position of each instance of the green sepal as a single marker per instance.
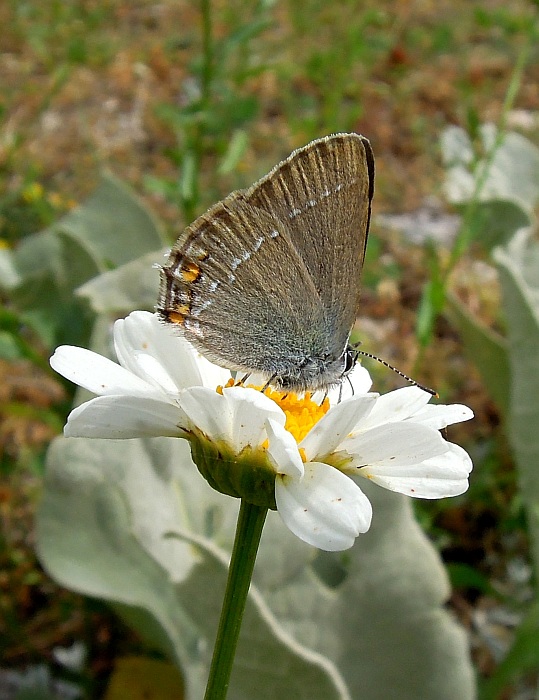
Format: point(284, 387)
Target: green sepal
point(248, 474)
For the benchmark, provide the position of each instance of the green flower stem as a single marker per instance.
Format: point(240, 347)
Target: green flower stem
point(251, 520)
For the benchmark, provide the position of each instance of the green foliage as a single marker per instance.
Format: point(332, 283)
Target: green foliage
point(486, 349)
point(431, 304)
point(522, 658)
point(44, 271)
point(28, 208)
point(139, 678)
point(337, 44)
point(59, 31)
point(216, 109)
point(503, 213)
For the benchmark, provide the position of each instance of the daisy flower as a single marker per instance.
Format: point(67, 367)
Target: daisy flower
point(303, 456)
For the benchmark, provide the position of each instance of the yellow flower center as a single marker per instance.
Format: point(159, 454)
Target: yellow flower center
point(302, 413)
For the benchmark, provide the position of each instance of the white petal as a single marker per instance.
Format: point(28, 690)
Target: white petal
point(396, 406)
point(360, 379)
point(439, 416)
point(393, 444)
point(334, 427)
point(357, 383)
point(283, 450)
point(124, 417)
point(151, 351)
point(325, 508)
point(98, 374)
point(237, 416)
point(438, 477)
point(208, 411)
point(250, 410)
point(211, 375)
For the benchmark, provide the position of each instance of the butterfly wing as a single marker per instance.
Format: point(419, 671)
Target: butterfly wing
point(323, 193)
point(249, 287)
point(237, 287)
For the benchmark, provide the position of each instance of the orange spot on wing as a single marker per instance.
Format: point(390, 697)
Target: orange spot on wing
point(190, 271)
point(176, 317)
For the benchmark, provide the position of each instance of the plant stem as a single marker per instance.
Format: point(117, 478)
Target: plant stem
point(251, 520)
point(207, 52)
point(195, 142)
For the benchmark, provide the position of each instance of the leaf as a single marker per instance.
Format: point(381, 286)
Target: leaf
point(486, 349)
point(509, 193)
point(102, 526)
point(457, 148)
point(188, 177)
point(497, 220)
point(140, 678)
point(518, 264)
point(9, 277)
point(513, 173)
point(384, 625)
point(112, 226)
point(131, 286)
point(236, 148)
point(426, 315)
point(432, 302)
point(45, 296)
point(109, 229)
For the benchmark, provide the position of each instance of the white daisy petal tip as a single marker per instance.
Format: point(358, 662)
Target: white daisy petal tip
point(325, 508)
point(439, 416)
point(443, 476)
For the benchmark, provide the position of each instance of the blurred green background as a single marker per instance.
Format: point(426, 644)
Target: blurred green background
point(184, 102)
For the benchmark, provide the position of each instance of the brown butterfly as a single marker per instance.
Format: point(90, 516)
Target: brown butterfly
point(268, 280)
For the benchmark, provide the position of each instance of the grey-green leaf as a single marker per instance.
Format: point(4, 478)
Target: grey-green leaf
point(132, 522)
point(513, 172)
point(109, 229)
point(134, 285)
point(486, 349)
point(502, 186)
point(518, 263)
point(382, 620)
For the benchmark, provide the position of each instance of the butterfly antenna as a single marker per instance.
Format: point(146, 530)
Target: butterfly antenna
point(401, 374)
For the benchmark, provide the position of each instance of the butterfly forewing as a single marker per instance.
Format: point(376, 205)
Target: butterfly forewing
point(323, 194)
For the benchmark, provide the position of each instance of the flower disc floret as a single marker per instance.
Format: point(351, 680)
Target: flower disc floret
point(302, 413)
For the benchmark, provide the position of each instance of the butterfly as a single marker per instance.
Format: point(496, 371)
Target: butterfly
point(267, 281)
